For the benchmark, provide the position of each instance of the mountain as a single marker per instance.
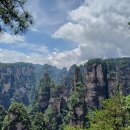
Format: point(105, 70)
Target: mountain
point(17, 82)
point(58, 76)
point(60, 93)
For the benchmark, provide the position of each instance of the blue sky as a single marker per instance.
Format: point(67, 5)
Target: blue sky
point(66, 32)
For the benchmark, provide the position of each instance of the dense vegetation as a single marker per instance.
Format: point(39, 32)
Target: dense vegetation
point(79, 103)
point(114, 115)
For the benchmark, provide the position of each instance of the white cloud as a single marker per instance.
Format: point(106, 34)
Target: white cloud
point(17, 41)
point(100, 28)
point(65, 58)
point(59, 59)
point(9, 39)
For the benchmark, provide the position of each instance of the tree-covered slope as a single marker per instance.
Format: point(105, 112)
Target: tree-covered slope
point(64, 97)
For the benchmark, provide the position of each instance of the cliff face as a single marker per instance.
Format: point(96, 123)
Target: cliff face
point(60, 91)
point(118, 76)
point(101, 79)
point(95, 82)
point(16, 83)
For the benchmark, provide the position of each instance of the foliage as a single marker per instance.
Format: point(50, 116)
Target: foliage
point(38, 122)
point(3, 113)
point(50, 118)
point(75, 100)
point(17, 114)
point(14, 16)
point(76, 97)
point(44, 85)
point(43, 95)
point(89, 65)
point(111, 75)
point(127, 103)
point(55, 90)
point(113, 115)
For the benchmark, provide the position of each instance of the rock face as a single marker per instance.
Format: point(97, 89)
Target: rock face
point(44, 93)
point(16, 83)
point(100, 79)
point(118, 76)
point(95, 82)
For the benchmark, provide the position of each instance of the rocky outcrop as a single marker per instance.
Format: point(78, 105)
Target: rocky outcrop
point(70, 77)
point(101, 78)
point(16, 83)
point(44, 93)
point(118, 76)
point(95, 82)
point(60, 91)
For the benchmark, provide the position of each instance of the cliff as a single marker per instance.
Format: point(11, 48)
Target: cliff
point(101, 79)
point(64, 93)
point(17, 82)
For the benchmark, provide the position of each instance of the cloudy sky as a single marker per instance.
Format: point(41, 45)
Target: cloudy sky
point(71, 31)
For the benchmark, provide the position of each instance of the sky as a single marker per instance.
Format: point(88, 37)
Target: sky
point(67, 32)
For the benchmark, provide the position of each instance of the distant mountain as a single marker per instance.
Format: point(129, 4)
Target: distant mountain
point(58, 76)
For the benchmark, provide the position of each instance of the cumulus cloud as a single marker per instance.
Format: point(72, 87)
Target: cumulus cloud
point(100, 28)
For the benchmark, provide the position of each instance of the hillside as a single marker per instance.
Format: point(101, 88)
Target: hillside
point(58, 91)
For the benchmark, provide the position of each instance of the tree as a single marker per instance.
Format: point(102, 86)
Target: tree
point(42, 97)
point(113, 115)
point(3, 113)
point(76, 105)
point(14, 17)
point(44, 93)
point(17, 118)
point(38, 122)
point(50, 119)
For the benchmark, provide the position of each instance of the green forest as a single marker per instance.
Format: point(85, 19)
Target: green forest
point(114, 114)
point(79, 102)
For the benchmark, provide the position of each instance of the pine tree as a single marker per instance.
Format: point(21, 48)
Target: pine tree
point(14, 17)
